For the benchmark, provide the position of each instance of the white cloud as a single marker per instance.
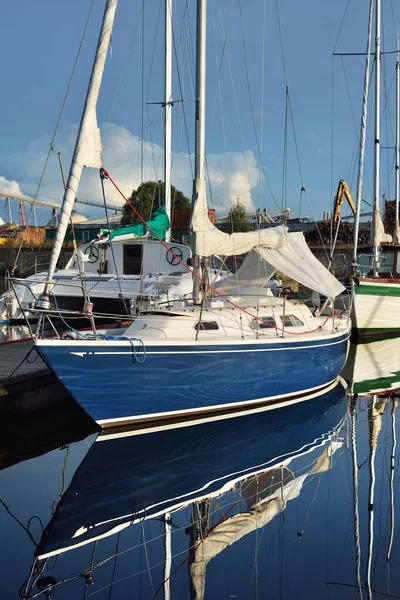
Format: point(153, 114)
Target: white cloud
point(121, 157)
point(9, 187)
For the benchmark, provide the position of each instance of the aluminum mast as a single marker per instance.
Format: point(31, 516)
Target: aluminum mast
point(168, 112)
point(375, 266)
point(363, 132)
point(200, 111)
point(397, 182)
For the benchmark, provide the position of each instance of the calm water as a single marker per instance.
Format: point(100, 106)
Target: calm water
point(296, 502)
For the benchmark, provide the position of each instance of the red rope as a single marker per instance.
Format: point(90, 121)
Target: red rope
point(221, 520)
point(105, 174)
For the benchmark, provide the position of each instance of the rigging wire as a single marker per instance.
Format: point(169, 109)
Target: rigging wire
point(114, 565)
point(219, 91)
point(234, 94)
point(112, 246)
point(51, 147)
point(303, 188)
point(180, 85)
point(4, 505)
point(116, 93)
point(251, 103)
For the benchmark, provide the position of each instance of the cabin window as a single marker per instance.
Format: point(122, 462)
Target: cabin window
point(291, 321)
point(85, 236)
point(206, 325)
point(133, 254)
point(266, 323)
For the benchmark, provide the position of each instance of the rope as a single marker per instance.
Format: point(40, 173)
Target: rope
point(53, 138)
point(3, 383)
point(106, 175)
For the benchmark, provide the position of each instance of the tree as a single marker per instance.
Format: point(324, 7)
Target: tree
point(237, 219)
point(147, 198)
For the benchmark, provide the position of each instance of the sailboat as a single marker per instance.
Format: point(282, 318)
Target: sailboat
point(233, 344)
point(376, 308)
point(118, 276)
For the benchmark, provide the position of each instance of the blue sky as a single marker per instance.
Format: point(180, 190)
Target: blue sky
point(39, 43)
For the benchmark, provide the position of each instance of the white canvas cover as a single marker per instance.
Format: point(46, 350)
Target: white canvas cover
point(295, 260)
point(378, 235)
point(91, 146)
point(255, 272)
point(208, 240)
point(396, 237)
point(233, 529)
point(298, 262)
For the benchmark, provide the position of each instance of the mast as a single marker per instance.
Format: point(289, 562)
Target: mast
point(375, 266)
point(168, 112)
point(375, 415)
point(392, 467)
point(168, 554)
point(87, 128)
point(363, 132)
point(355, 495)
point(200, 112)
point(397, 182)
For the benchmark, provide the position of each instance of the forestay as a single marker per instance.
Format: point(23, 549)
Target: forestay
point(208, 240)
point(295, 260)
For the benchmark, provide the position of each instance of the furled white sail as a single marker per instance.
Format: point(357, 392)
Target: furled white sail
point(396, 237)
point(208, 240)
point(91, 143)
point(87, 150)
point(378, 235)
point(295, 260)
point(233, 529)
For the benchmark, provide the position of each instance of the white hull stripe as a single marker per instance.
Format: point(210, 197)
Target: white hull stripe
point(240, 351)
point(219, 406)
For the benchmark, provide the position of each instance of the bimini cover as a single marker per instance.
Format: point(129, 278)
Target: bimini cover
point(159, 223)
point(208, 240)
point(295, 260)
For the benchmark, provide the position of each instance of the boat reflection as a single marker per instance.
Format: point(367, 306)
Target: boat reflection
point(254, 465)
point(373, 367)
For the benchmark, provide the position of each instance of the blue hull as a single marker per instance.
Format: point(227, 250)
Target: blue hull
point(109, 384)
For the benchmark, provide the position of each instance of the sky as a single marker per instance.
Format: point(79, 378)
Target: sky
point(246, 99)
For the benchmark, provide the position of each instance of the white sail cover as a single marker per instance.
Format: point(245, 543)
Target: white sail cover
point(91, 145)
point(378, 235)
point(208, 240)
point(396, 237)
point(255, 272)
point(233, 529)
point(295, 260)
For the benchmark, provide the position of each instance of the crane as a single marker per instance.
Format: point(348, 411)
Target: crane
point(342, 193)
